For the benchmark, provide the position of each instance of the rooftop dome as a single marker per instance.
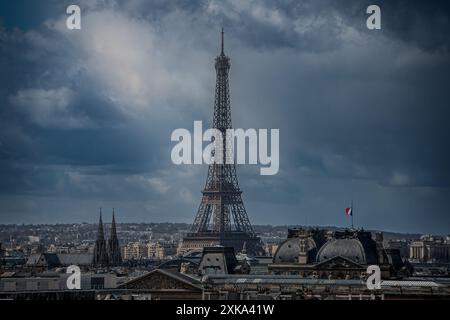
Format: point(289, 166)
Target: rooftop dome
point(290, 250)
point(347, 248)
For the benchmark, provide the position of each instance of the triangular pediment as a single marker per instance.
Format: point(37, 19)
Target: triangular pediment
point(338, 262)
point(160, 279)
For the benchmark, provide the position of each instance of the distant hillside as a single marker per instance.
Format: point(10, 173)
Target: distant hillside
point(88, 230)
point(388, 235)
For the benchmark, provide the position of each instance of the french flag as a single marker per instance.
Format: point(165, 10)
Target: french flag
point(349, 211)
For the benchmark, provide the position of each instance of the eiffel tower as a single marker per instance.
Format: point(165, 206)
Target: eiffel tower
point(222, 201)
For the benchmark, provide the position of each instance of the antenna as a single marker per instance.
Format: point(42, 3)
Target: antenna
point(222, 43)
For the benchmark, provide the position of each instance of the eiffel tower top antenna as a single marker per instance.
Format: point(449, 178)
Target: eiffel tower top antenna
point(223, 53)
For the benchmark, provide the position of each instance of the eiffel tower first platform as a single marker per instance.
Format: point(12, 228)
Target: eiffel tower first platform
point(221, 218)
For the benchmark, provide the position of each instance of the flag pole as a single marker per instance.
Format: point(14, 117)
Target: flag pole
point(352, 213)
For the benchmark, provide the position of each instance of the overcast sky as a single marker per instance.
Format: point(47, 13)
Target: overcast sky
point(86, 116)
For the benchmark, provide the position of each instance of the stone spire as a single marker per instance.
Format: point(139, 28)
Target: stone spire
point(115, 257)
point(100, 250)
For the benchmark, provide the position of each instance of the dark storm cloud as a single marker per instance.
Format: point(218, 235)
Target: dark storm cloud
point(421, 23)
point(86, 116)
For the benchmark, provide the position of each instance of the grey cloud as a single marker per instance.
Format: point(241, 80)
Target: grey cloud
point(361, 115)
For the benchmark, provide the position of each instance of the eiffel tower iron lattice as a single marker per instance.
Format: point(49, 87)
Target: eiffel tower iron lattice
point(222, 198)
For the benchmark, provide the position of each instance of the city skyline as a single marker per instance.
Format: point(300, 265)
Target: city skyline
point(86, 116)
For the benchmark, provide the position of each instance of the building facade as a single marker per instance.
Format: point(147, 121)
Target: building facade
point(430, 249)
point(334, 255)
point(107, 253)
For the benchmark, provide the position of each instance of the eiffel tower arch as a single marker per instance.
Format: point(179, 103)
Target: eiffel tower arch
point(221, 217)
